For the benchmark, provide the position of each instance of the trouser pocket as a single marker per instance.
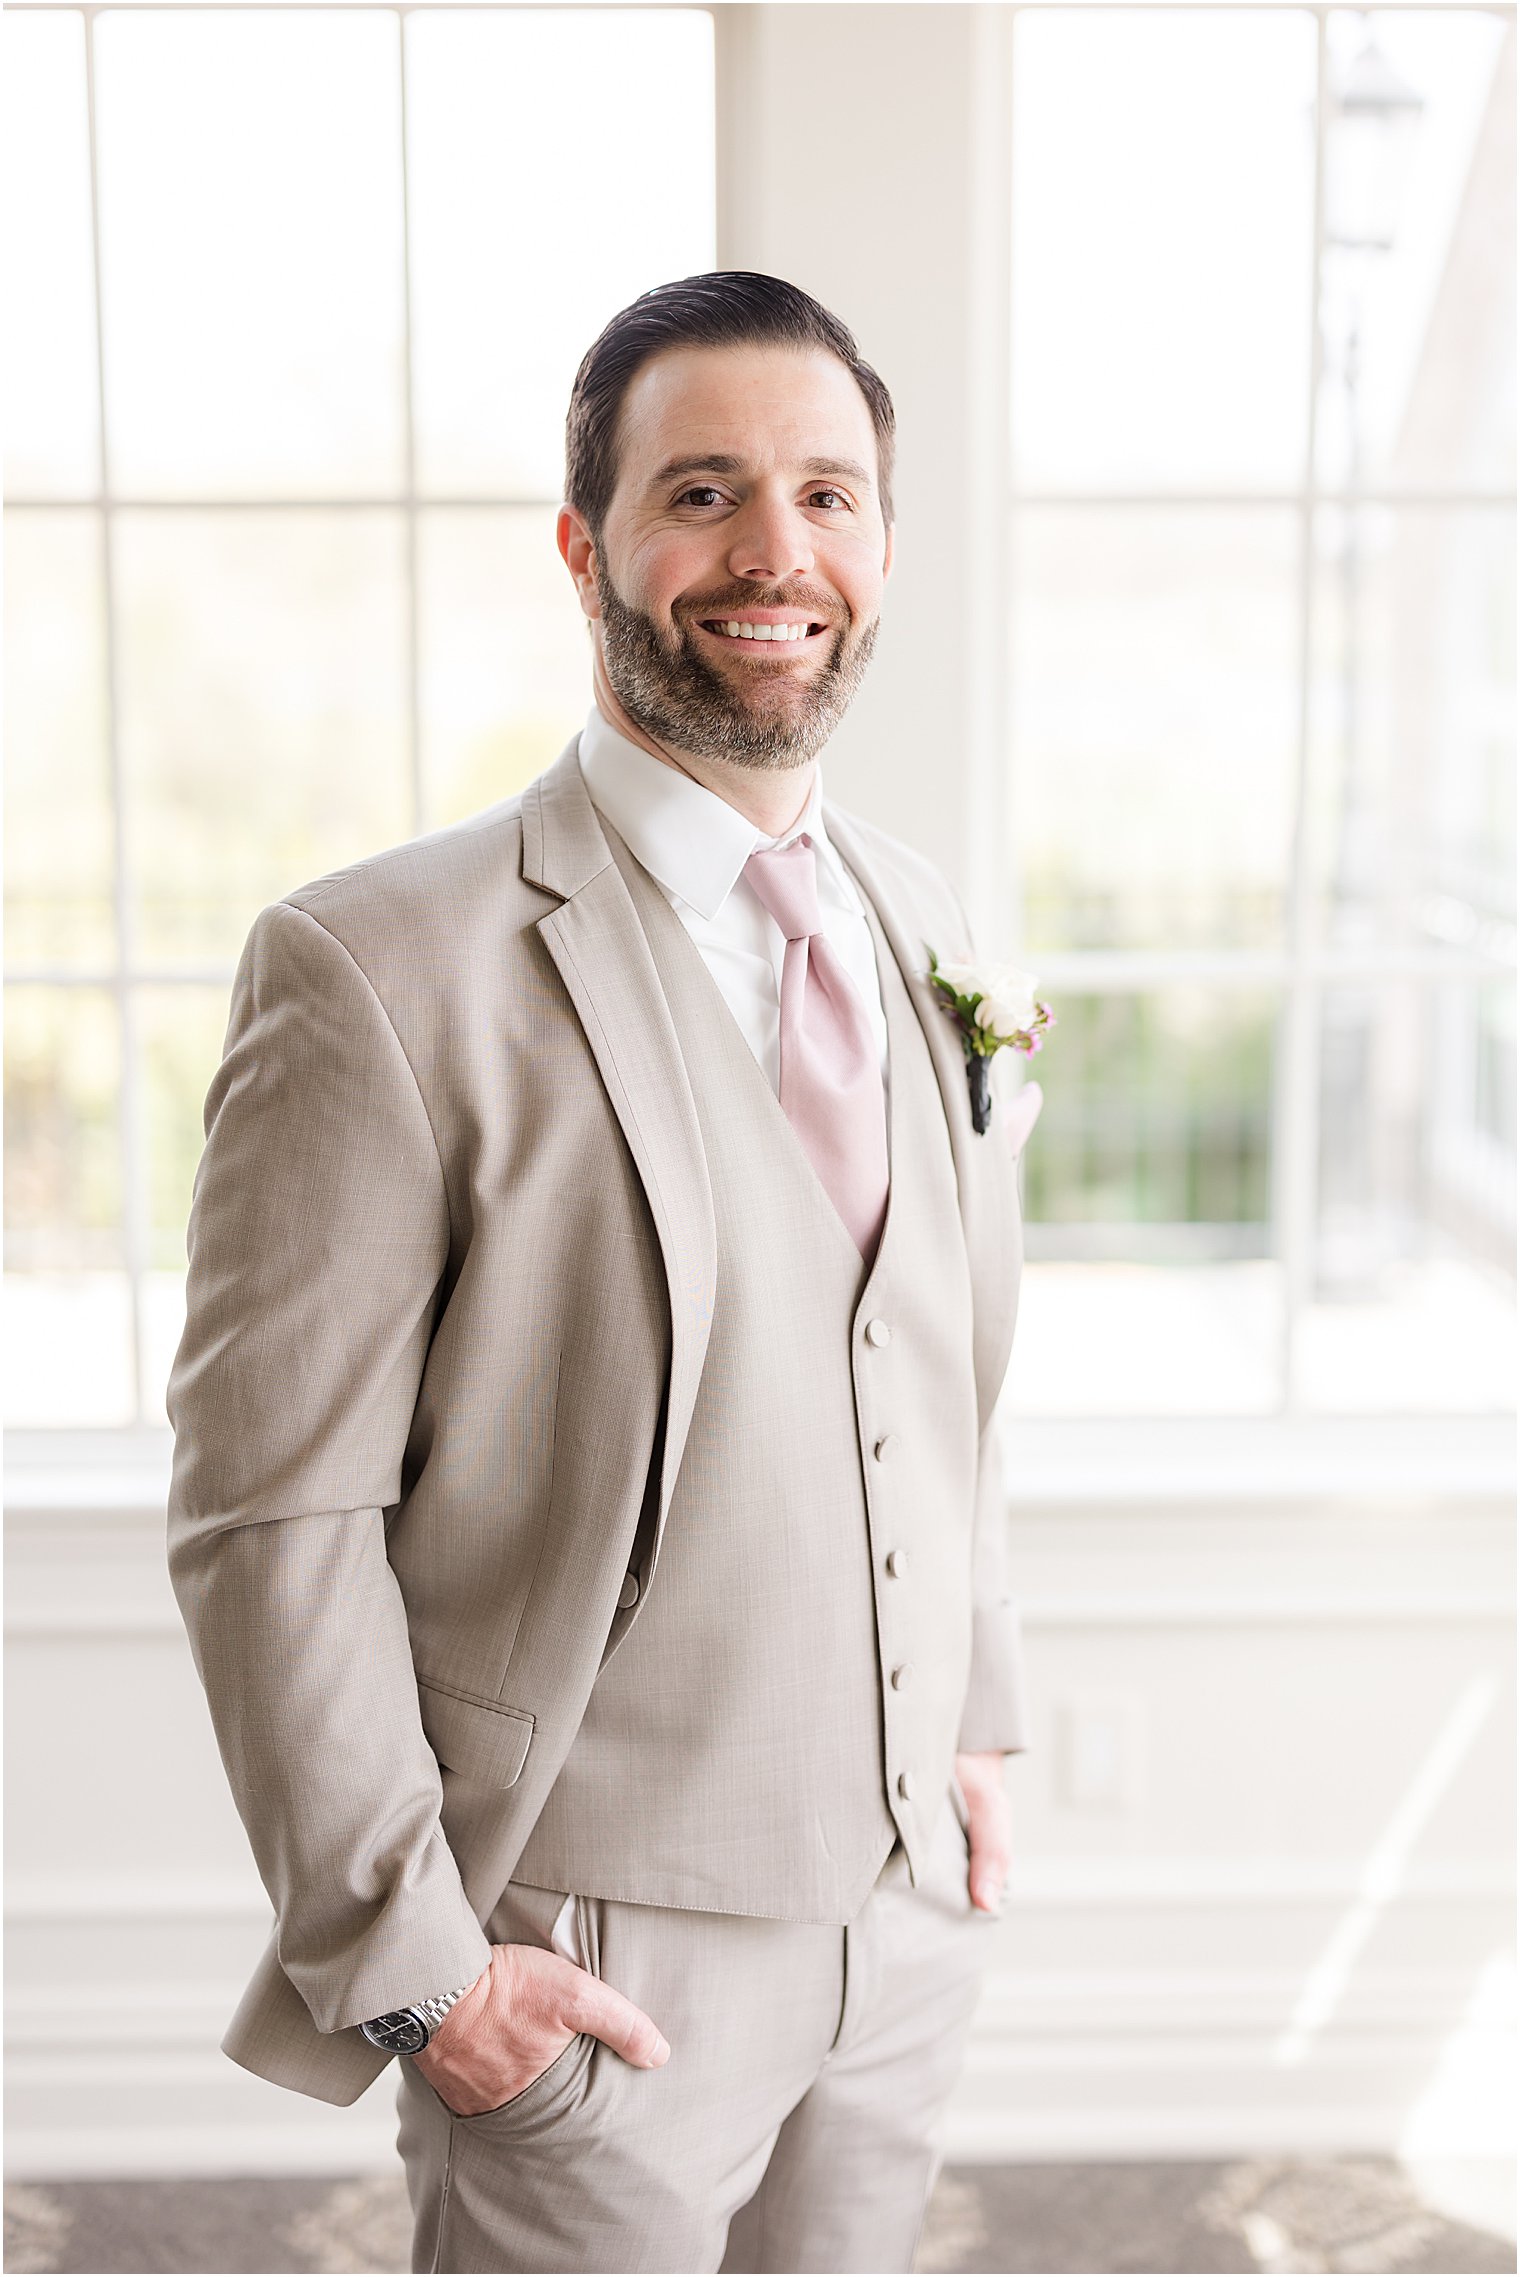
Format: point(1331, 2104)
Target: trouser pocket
point(554, 2090)
point(588, 1934)
point(526, 1916)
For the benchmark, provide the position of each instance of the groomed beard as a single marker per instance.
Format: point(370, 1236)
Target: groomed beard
point(678, 697)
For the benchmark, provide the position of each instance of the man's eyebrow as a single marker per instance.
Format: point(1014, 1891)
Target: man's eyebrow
point(725, 462)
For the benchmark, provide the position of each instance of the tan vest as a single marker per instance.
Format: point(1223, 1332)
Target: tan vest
point(787, 1702)
point(788, 1699)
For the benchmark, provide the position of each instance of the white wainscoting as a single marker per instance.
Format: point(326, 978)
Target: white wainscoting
point(1263, 1894)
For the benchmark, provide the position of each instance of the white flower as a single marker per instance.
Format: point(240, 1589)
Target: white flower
point(964, 979)
point(992, 1005)
point(1008, 1003)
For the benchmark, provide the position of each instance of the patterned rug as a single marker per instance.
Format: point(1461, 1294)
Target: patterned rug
point(1274, 2214)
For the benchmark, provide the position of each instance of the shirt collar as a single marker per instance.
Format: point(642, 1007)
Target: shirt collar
point(685, 835)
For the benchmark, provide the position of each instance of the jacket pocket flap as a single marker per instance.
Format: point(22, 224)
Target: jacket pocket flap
point(489, 1744)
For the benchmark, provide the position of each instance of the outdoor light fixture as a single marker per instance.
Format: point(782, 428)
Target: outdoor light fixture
point(1372, 118)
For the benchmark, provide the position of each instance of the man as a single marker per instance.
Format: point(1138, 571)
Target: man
point(586, 1512)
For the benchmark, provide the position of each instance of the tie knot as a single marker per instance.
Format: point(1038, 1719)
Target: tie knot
point(786, 880)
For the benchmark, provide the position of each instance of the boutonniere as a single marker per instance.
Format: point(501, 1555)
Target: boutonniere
point(992, 1005)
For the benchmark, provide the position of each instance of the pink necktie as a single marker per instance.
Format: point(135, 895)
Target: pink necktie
point(831, 1087)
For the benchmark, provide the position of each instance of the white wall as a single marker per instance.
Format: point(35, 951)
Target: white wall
point(1262, 1895)
point(863, 153)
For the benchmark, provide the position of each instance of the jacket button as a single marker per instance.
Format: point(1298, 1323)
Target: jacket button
point(629, 1593)
point(901, 1675)
point(897, 1563)
point(877, 1332)
point(905, 1785)
point(887, 1448)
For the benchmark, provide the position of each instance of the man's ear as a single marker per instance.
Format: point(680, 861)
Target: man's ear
point(886, 559)
point(578, 548)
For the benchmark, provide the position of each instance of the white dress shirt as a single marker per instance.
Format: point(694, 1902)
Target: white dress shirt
point(695, 845)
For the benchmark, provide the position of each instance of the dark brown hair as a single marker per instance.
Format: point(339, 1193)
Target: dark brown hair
point(718, 310)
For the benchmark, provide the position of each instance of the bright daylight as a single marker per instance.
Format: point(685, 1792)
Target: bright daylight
point(429, 1259)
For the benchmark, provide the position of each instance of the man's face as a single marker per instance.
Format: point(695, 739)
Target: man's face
point(746, 495)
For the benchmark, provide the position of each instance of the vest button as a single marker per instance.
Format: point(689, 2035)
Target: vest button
point(877, 1332)
point(887, 1448)
point(901, 1675)
point(897, 1563)
point(629, 1593)
point(905, 1785)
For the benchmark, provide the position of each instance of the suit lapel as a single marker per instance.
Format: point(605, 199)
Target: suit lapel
point(599, 947)
point(984, 1170)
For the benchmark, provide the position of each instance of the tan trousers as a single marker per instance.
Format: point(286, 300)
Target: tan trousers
point(793, 2127)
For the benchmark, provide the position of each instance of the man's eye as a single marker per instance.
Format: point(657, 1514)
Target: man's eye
point(702, 491)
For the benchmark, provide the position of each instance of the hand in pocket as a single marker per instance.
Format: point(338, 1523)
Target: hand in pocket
point(518, 2018)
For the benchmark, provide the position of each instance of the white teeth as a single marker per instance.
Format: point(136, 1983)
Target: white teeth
point(764, 632)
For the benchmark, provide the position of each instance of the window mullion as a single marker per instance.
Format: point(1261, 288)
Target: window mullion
point(1296, 1094)
point(413, 656)
point(130, 1124)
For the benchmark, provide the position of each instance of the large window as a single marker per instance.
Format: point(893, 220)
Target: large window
point(1262, 612)
point(297, 297)
point(298, 293)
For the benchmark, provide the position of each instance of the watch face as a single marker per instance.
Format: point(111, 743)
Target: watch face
point(400, 2032)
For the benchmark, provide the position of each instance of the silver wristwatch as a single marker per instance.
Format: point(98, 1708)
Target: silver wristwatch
point(404, 2030)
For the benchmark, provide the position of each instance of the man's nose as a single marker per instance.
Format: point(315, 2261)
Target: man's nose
point(769, 539)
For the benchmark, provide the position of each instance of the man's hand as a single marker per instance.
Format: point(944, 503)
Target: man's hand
point(981, 1778)
point(518, 2016)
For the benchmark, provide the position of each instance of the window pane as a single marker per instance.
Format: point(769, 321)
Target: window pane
point(1149, 1286)
point(62, 1158)
point(68, 1358)
point(1161, 330)
point(560, 163)
point(1155, 676)
point(181, 1031)
point(250, 167)
point(1161, 1119)
point(52, 442)
point(58, 857)
point(506, 663)
point(1413, 1306)
point(1414, 820)
point(1159, 1340)
point(1418, 289)
point(68, 1351)
point(262, 711)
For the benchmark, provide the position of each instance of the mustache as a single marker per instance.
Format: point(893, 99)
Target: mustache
point(819, 606)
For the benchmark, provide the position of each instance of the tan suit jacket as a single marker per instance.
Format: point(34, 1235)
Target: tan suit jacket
point(452, 1264)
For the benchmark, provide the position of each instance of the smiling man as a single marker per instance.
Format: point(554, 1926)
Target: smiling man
point(587, 1513)
point(689, 662)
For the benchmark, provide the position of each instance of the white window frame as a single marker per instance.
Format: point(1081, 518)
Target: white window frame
point(144, 1442)
point(1302, 970)
point(1291, 1453)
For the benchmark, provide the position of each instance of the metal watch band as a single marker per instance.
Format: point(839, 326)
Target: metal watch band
point(407, 2031)
point(436, 2010)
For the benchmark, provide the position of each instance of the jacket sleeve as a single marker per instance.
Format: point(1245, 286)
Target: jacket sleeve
point(318, 1239)
point(995, 1717)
